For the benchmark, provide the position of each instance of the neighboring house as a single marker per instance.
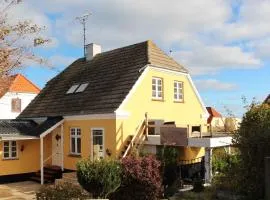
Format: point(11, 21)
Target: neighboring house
point(15, 95)
point(215, 120)
point(102, 106)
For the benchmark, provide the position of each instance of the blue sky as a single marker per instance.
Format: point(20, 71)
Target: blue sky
point(225, 44)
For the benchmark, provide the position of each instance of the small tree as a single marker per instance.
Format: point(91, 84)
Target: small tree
point(253, 139)
point(99, 177)
point(17, 41)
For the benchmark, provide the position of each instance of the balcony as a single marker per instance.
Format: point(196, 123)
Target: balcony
point(170, 134)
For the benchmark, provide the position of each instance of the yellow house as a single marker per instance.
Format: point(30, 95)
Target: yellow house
point(97, 108)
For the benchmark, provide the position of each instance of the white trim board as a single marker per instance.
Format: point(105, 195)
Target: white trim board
point(116, 114)
point(51, 129)
point(16, 138)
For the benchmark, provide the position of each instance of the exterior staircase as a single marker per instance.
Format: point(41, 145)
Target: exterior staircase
point(51, 173)
point(136, 140)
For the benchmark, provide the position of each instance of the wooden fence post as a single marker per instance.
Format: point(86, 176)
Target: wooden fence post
point(146, 125)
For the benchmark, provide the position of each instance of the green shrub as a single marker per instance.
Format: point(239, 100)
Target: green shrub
point(99, 177)
point(61, 192)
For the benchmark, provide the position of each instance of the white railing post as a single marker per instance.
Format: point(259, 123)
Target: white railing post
point(41, 162)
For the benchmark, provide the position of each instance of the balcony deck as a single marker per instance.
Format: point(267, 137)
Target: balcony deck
point(178, 136)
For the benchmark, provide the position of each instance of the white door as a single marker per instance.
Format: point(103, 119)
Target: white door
point(56, 148)
point(97, 143)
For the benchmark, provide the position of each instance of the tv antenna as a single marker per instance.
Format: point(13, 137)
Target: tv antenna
point(82, 19)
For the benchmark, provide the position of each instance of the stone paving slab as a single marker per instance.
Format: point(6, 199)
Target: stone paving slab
point(25, 190)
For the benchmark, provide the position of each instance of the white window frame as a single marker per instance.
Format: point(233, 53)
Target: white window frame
point(92, 141)
point(179, 91)
point(156, 91)
point(10, 157)
point(76, 137)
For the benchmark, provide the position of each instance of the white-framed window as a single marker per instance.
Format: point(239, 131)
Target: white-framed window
point(97, 143)
point(157, 88)
point(178, 91)
point(75, 141)
point(10, 150)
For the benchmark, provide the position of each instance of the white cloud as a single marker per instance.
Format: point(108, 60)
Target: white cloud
point(213, 84)
point(204, 34)
point(211, 59)
point(59, 60)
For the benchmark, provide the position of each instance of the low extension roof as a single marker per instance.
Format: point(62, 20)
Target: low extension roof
point(17, 83)
point(110, 75)
point(18, 127)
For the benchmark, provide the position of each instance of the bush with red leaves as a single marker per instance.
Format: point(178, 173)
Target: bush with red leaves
point(141, 179)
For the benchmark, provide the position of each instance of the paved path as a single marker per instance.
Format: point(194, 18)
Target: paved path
point(19, 190)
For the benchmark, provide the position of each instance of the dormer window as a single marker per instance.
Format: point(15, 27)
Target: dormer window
point(77, 88)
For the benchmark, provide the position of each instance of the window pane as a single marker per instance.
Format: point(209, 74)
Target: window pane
point(6, 144)
point(82, 87)
point(78, 131)
point(13, 148)
point(72, 131)
point(79, 145)
point(159, 94)
point(6, 155)
point(159, 81)
point(72, 89)
point(14, 154)
point(153, 81)
point(159, 88)
point(73, 145)
point(154, 94)
point(6, 149)
point(153, 87)
point(13, 143)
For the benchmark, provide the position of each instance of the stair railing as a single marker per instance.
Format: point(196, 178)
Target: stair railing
point(49, 157)
point(139, 136)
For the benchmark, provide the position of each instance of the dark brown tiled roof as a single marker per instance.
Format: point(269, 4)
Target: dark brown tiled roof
point(110, 75)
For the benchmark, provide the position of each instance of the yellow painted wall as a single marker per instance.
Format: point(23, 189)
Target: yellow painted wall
point(109, 131)
point(188, 112)
point(28, 160)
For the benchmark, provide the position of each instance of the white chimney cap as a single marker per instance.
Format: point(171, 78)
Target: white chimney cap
point(91, 50)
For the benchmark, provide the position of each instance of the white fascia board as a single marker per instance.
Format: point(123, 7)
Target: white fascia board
point(133, 89)
point(116, 114)
point(42, 135)
point(16, 138)
point(210, 142)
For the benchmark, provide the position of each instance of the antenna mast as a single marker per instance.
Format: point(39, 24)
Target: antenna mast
point(82, 19)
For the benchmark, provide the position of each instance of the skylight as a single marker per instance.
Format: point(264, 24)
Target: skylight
point(82, 87)
point(76, 88)
point(72, 88)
